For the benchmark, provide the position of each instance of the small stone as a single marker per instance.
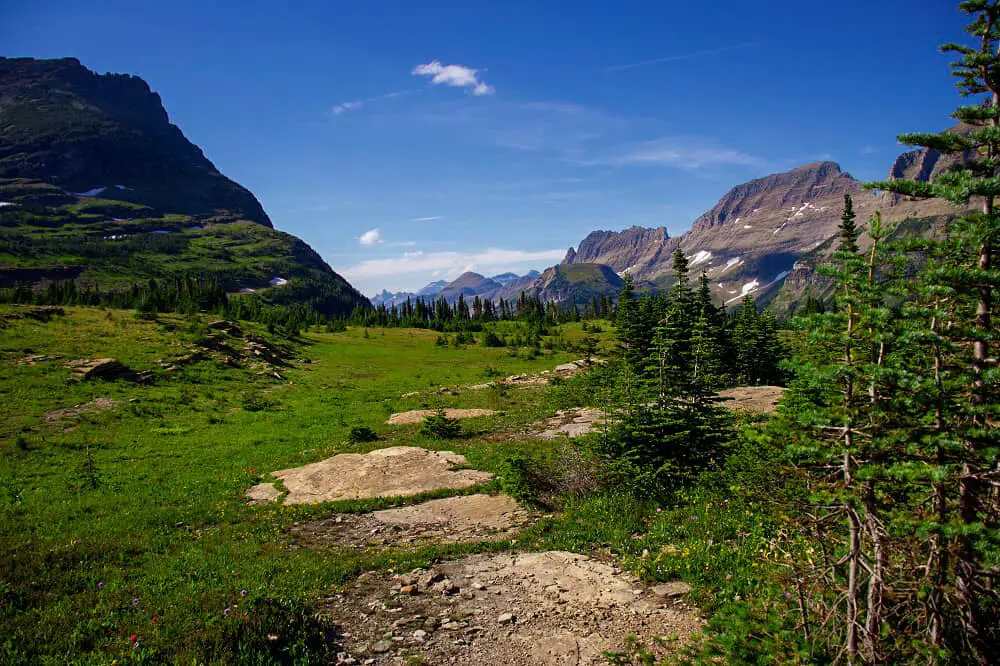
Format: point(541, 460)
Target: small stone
point(451, 626)
point(408, 589)
point(505, 618)
point(476, 585)
point(381, 647)
point(675, 589)
point(420, 634)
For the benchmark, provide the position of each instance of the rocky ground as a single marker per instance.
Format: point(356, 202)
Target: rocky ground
point(463, 519)
point(397, 471)
point(546, 608)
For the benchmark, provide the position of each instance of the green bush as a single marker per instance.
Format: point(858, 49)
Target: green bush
point(440, 426)
point(359, 434)
point(257, 402)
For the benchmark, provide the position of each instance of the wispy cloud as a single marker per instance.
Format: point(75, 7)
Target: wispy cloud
point(869, 149)
point(430, 218)
point(458, 76)
point(682, 56)
point(355, 104)
point(370, 237)
point(681, 152)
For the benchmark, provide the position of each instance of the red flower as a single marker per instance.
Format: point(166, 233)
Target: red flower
point(155, 619)
point(133, 638)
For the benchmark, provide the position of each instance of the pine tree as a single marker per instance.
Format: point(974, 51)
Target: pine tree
point(849, 231)
point(959, 285)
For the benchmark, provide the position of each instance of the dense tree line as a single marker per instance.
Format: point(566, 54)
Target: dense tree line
point(182, 295)
point(716, 348)
point(465, 315)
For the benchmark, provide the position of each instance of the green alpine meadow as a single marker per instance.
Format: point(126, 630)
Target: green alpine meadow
point(766, 436)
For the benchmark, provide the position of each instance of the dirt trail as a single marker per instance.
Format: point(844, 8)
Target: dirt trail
point(398, 471)
point(570, 423)
point(464, 519)
point(512, 608)
point(548, 608)
point(760, 399)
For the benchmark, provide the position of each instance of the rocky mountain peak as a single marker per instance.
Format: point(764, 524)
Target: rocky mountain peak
point(805, 183)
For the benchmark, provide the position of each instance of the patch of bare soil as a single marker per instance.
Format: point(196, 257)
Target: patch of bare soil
point(398, 471)
point(464, 519)
point(759, 399)
point(76, 411)
point(524, 608)
point(418, 415)
point(570, 423)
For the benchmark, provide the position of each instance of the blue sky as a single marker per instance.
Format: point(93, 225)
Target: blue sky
point(409, 141)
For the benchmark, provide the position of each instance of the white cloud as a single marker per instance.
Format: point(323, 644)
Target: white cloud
point(370, 237)
point(680, 152)
point(430, 218)
point(353, 105)
point(458, 76)
point(412, 270)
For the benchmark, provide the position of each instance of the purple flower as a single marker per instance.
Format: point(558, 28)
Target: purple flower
point(243, 593)
point(135, 602)
point(227, 611)
point(694, 517)
point(100, 585)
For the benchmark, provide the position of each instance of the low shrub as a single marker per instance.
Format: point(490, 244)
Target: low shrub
point(360, 434)
point(440, 426)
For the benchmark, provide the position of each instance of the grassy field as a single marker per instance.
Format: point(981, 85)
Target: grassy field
point(125, 533)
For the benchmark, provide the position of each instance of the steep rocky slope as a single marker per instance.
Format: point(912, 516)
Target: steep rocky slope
point(98, 186)
point(106, 135)
point(767, 235)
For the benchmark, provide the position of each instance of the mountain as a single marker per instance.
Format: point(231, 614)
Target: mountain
point(568, 283)
point(390, 299)
point(107, 135)
point(747, 243)
point(433, 288)
point(750, 240)
point(469, 285)
point(97, 185)
point(626, 250)
point(766, 236)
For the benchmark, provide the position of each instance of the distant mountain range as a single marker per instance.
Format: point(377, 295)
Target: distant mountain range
point(764, 237)
point(469, 285)
point(98, 186)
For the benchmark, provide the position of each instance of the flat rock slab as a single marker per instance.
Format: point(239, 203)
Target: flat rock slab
point(418, 415)
point(398, 471)
point(76, 411)
point(570, 423)
point(263, 493)
point(512, 608)
point(759, 399)
point(465, 519)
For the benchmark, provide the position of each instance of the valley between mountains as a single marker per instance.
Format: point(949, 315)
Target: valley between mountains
point(771, 438)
